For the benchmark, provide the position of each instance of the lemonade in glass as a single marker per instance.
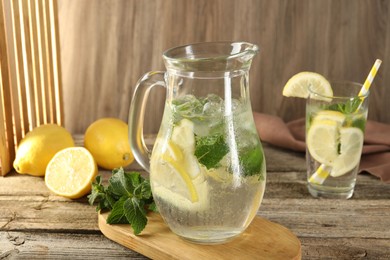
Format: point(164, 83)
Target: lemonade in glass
point(334, 136)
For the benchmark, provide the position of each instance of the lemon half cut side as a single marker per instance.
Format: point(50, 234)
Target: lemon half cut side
point(71, 172)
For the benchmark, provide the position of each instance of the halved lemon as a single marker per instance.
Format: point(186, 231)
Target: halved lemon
point(298, 85)
point(70, 172)
point(351, 145)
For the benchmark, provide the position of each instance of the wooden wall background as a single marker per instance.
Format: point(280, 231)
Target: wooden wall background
point(106, 46)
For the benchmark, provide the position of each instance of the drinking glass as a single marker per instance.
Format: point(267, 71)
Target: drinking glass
point(334, 139)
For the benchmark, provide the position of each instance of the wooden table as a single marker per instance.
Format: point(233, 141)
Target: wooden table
point(35, 224)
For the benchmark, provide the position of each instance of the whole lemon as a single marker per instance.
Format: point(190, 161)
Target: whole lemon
point(39, 146)
point(107, 141)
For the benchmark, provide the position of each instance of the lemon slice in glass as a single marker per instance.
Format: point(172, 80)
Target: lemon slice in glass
point(351, 145)
point(330, 115)
point(335, 146)
point(298, 86)
point(70, 172)
point(322, 141)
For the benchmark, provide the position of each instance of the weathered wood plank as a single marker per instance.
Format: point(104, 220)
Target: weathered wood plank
point(329, 218)
point(26, 245)
point(40, 213)
point(345, 248)
point(20, 245)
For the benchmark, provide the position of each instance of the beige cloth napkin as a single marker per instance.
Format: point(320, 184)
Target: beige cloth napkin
point(376, 149)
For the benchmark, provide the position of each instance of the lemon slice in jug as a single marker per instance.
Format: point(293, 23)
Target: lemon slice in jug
point(179, 180)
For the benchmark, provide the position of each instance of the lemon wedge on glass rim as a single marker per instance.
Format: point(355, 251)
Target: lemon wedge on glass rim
point(298, 86)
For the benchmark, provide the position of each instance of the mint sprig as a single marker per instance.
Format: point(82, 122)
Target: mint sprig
point(127, 196)
point(348, 107)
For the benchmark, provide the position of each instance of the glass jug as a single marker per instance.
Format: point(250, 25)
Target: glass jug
point(207, 168)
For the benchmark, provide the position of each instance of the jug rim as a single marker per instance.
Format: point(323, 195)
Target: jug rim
point(210, 59)
point(188, 50)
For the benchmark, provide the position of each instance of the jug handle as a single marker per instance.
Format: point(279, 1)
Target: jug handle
point(137, 113)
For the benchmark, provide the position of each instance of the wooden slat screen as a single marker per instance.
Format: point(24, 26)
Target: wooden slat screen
point(30, 72)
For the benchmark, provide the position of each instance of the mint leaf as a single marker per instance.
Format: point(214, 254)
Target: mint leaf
point(117, 214)
point(100, 195)
point(210, 150)
point(251, 161)
point(153, 207)
point(360, 123)
point(351, 105)
point(135, 214)
point(146, 191)
point(98, 191)
point(119, 184)
point(110, 200)
point(134, 178)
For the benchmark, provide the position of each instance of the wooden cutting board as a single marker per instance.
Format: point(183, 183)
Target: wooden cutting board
point(263, 239)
